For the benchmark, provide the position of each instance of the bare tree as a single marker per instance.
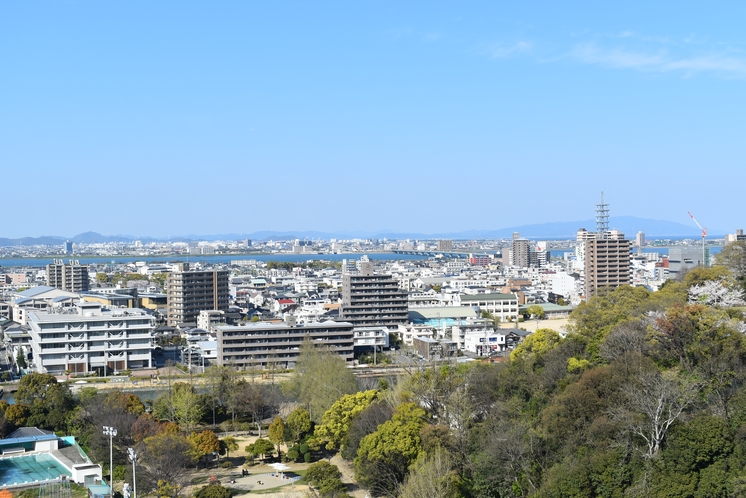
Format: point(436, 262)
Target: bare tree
point(625, 338)
point(431, 478)
point(654, 402)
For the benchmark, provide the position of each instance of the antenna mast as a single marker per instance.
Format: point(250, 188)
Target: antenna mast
point(602, 218)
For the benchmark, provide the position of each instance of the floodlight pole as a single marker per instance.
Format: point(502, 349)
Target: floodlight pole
point(111, 432)
point(133, 457)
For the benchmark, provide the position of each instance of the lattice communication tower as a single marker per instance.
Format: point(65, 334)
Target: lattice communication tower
point(602, 218)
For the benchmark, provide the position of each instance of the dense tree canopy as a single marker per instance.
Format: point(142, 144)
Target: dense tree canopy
point(320, 378)
point(336, 421)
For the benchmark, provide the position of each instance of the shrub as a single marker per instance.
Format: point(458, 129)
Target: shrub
point(213, 491)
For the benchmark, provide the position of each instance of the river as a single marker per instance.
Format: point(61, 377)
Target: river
point(212, 259)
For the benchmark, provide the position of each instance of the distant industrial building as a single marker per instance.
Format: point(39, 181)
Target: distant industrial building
point(70, 277)
point(189, 292)
point(683, 259)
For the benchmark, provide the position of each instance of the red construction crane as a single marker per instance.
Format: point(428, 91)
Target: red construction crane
point(704, 234)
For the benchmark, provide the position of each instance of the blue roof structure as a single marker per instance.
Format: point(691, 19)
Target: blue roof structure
point(17, 441)
point(35, 291)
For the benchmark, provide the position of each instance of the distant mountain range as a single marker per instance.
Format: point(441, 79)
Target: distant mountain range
point(629, 225)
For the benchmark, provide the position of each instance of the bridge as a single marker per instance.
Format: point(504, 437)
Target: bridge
point(445, 254)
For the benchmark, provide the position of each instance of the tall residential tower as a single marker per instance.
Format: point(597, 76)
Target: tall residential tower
point(189, 292)
point(370, 299)
point(606, 254)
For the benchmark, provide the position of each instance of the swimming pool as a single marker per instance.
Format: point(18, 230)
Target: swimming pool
point(30, 468)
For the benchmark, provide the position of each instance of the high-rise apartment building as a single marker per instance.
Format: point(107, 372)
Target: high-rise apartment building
point(370, 299)
point(72, 277)
point(445, 245)
point(607, 263)
point(519, 254)
point(640, 240)
point(189, 292)
point(606, 254)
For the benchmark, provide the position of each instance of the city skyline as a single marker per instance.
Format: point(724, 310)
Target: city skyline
point(183, 118)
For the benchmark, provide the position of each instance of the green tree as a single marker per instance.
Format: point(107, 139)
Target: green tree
point(701, 274)
point(48, 401)
point(17, 414)
point(159, 279)
point(228, 443)
point(297, 425)
point(181, 405)
point(327, 479)
point(21, 359)
point(535, 311)
point(733, 257)
point(102, 278)
point(538, 344)
point(336, 421)
point(385, 456)
point(695, 460)
point(220, 382)
point(260, 447)
point(276, 432)
point(320, 378)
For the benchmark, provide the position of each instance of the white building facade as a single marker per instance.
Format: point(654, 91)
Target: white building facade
point(90, 338)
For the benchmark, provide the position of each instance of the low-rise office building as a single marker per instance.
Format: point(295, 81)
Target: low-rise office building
point(90, 338)
point(435, 349)
point(277, 345)
point(503, 306)
point(371, 337)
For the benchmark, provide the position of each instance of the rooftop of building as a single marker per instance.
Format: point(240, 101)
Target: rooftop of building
point(436, 312)
point(85, 312)
point(283, 325)
point(487, 297)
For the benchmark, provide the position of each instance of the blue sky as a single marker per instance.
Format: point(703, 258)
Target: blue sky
point(171, 118)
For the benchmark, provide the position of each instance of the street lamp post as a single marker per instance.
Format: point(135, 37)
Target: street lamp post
point(133, 457)
point(111, 432)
